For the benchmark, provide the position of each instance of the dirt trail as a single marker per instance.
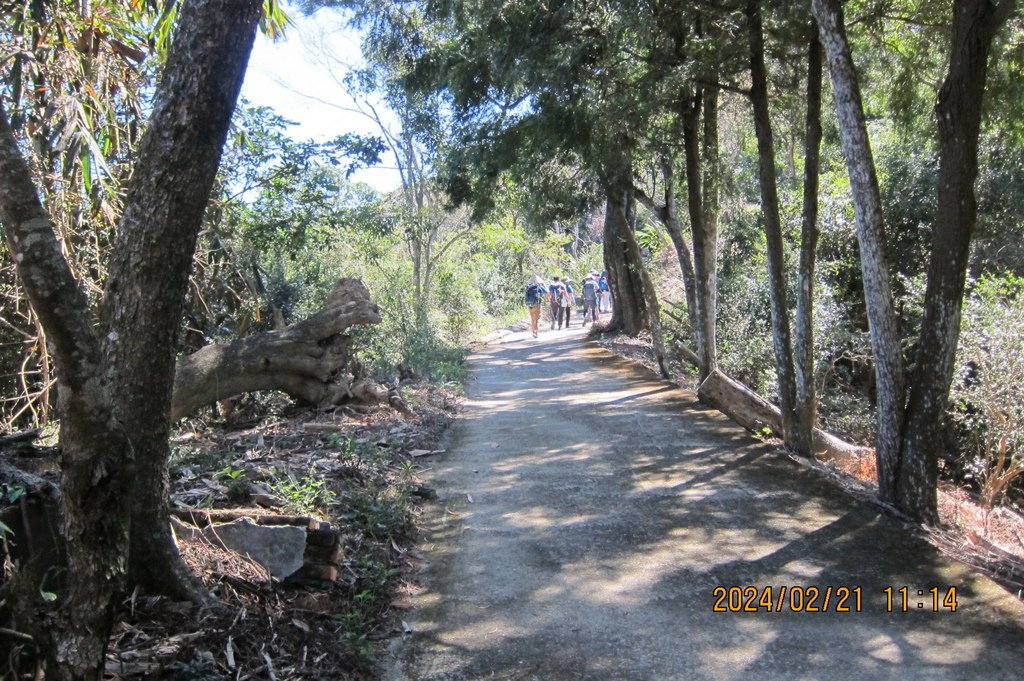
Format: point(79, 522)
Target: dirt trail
point(607, 505)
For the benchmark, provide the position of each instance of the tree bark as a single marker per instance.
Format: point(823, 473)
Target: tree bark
point(115, 382)
point(650, 299)
point(94, 448)
point(310, 360)
point(709, 200)
point(772, 224)
point(668, 214)
point(628, 311)
point(958, 112)
point(705, 236)
point(803, 331)
point(867, 204)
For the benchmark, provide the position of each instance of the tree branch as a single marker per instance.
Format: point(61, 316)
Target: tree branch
point(649, 203)
point(448, 244)
point(728, 87)
point(171, 182)
point(42, 268)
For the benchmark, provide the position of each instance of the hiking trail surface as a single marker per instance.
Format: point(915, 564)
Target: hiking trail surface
point(588, 510)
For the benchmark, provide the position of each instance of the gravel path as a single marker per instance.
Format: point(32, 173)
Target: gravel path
point(588, 511)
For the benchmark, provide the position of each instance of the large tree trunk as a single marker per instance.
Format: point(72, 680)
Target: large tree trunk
point(310, 360)
point(772, 224)
point(93, 444)
point(958, 112)
point(650, 300)
point(115, 381)
point(144, 294)
point(803, 327)
point(628, 311)
point(867, 205)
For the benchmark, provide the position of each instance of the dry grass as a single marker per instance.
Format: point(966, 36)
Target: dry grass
point(995, 534)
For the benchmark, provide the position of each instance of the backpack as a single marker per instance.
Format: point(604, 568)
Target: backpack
point(589, 290)
point(533, 295)
point(556, 292)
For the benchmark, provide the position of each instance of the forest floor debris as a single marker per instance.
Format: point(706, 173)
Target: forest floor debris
point(356, 468)
point(990, 541)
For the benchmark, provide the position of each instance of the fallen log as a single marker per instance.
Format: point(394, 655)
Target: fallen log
point(313, 360)
point(204, 517)
point(754, 413)
point(686, 354)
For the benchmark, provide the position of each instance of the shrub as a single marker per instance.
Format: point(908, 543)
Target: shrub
point(988, 389)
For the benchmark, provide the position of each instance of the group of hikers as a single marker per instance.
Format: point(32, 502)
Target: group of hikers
point(561, 294)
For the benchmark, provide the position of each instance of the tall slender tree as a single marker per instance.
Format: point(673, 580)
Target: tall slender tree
point(906, 455)
point(781, 337)
point(803, 324)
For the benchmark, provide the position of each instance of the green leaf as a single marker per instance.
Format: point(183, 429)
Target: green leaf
point(87, 170)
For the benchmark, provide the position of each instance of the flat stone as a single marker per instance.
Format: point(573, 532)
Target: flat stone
point(278, 548)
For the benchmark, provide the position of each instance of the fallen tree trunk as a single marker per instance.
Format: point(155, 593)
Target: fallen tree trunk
point(311, 360)
point(754, 413)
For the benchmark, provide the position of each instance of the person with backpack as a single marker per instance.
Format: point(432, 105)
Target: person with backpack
point(534, 293)
point(605, 304)
point(590, 291)
point(559, 302)
point(570, 299)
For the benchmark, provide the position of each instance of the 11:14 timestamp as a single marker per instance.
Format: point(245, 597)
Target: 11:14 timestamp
point(905, 599)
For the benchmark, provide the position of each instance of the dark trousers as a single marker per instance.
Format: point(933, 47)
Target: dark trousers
point(558, 313)
point(589, 307)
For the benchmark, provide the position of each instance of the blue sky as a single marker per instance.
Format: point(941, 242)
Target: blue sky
point(298, 76)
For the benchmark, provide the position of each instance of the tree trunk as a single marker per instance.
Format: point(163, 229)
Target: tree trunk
point(650, 299)
point(668, 215)
point(683, 253)
point(772, 224)
point(709, 198)
point(958, 112)
point(803, 331)
point(867, 204)
point(115, 381)
point(310, 360)
point(705, 237)
point(623, 272)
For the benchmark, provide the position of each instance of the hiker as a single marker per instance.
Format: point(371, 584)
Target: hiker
point(558, 301)
point(570, 300)
point(534, 293)
point(605, 299)
point(590, 293)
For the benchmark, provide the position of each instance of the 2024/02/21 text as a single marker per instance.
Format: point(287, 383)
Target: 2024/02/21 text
point(840, 599)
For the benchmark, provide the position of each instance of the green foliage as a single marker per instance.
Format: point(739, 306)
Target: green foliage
point(649, 238)
point(309, 495)
point(234, 479)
